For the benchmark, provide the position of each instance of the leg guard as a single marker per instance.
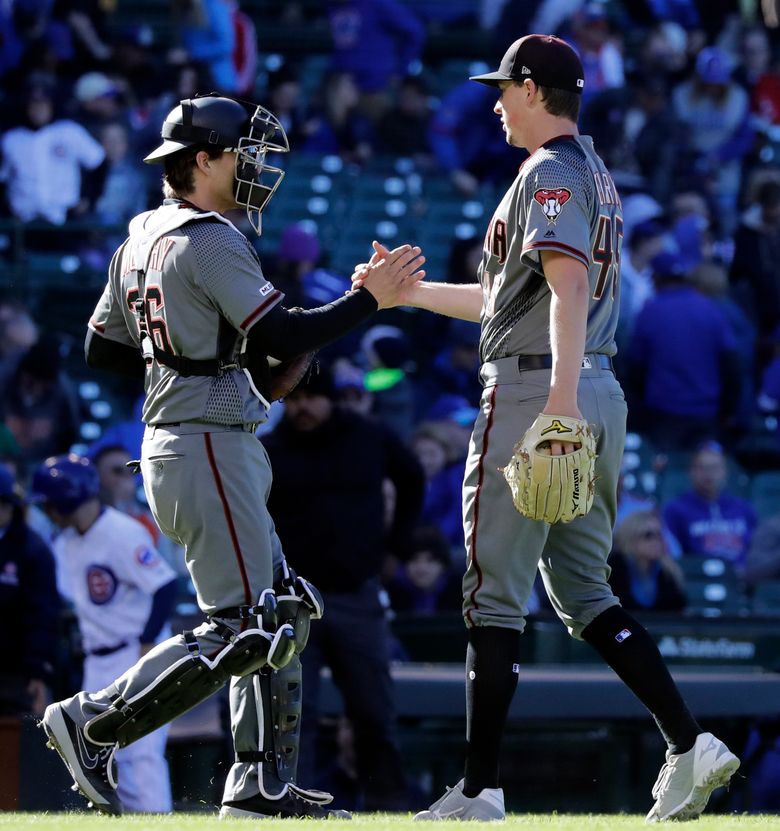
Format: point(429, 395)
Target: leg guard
point(279, 701)
point(195, 677)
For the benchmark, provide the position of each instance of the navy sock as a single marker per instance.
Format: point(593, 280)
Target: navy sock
point(492, 662)
point(627, 647)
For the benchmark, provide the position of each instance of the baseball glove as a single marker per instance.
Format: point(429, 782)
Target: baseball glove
point(286, 375)
point(553, 488)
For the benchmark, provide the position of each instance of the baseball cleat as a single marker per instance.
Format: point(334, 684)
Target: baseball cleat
point(686, 780)
point(487, 806)
point(92, 766)
point(291, 802)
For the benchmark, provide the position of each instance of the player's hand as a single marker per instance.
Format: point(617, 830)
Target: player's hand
point(361, 269)
point(561, 448)
point(392, 275)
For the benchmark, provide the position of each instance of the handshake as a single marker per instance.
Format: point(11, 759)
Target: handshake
point(390, 276)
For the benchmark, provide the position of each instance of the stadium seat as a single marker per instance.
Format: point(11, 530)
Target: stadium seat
point(715, 597)
point(766, 598)
point(706, 568)
point(765, 493)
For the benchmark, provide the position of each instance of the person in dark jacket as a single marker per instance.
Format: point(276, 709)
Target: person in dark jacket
point(28, 596)
point(328, 505)
point(644, 576)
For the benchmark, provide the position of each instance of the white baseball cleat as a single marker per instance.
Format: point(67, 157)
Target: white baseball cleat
point(487, 806)
point(686, 780)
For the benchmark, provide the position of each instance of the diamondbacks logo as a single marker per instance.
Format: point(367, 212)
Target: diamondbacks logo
point(552, 201)
point(555, 427)
point(101, 584)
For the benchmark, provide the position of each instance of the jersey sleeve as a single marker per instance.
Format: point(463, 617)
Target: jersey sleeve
point(229, 272)
point(554, 200)
point(140, 563)
point(107, 319)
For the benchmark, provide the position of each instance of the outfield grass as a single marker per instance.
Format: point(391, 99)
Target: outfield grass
point(80, 821)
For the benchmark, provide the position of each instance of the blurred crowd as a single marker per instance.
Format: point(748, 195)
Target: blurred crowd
point(682, 99)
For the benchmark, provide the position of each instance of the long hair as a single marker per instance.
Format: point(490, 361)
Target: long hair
point(631, 529)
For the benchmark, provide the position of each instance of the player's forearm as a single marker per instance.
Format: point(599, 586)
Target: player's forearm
point(568, 320)
point(285, 333)
point(450, 299)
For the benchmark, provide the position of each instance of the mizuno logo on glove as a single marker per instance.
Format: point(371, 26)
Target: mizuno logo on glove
point(555, 427)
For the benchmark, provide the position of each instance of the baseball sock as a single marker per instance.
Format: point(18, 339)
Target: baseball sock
point(627, 647)
point(492, 662)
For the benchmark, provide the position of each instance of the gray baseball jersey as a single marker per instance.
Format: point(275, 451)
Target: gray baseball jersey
point(206, 476)
point(564, 200)
point(204, 291)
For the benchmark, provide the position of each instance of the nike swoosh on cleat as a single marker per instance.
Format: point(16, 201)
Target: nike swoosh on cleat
point(88, 760)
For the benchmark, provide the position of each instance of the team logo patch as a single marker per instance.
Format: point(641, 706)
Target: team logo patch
point(146, 557)
point(552, 201)
point(101, 584)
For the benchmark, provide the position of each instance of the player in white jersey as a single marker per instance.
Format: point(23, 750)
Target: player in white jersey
point(547, 301)
point(122, 592)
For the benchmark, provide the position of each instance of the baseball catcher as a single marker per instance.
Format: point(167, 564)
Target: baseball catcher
point(553, 488)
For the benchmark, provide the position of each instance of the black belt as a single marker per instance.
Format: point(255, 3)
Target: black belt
point(165, 424)
point(528, 362)
point(107, 650)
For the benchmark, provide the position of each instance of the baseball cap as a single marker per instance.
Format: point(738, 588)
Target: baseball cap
point(668, 264)
point(545, 59)
point(713, 66)
point(299, 245)
point(94, 85)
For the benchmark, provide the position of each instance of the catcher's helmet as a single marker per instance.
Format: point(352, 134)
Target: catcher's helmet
point(248, 129)
point(65, 483)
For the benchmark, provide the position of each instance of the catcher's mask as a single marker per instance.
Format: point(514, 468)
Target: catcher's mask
point(247, 129)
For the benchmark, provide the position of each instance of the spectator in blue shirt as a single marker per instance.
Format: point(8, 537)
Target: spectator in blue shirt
point(682, 363)
point(207, 32)
point(465, 142)
point(443, 483)
point(769, 394)
point(715, 113)
point(426, 581)
point(377, 42)
point(707, 520)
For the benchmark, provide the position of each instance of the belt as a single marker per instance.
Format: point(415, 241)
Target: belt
point(529, 362)
point(102, 651)
point(202, 427)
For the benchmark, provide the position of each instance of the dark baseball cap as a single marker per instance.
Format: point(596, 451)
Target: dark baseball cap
point(546, 60)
